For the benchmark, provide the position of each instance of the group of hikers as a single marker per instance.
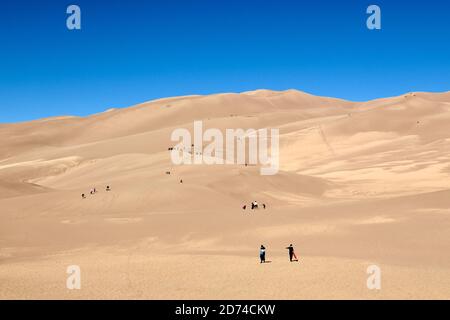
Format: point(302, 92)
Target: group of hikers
point(254, 205)
point(292, 256)
point(168, 173)
point(94, 191)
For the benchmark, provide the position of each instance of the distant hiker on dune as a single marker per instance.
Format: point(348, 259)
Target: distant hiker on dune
point(254, 205)
point(264, 205)
point(83, 196)
point(291, 253)
point(108, 188)
point(262, 254)
point(244, 207)
point(181, 181)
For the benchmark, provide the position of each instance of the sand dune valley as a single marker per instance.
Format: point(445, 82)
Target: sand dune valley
point(359, 184)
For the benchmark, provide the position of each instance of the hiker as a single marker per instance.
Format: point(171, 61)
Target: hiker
point(83, 196)
point(264, 206)
point(181, 181)
point(291, 253)
point(92, 191)
point(108, 188)
point(255, 205)
point(244, 207)
point(262, 254)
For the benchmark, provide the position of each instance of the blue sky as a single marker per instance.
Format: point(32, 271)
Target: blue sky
point(132, 51)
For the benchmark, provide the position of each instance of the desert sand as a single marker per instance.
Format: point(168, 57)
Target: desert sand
point(360, 184)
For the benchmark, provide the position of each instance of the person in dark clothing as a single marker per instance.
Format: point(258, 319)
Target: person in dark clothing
point(83, 196)
point(264, 205)
point(108, 188)
point(291, 253)
point(262, 254)
point(244, 207)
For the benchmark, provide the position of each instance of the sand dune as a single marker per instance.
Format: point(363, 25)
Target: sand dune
point(359, 184)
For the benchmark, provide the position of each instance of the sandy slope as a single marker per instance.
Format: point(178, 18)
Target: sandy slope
point(360, 184)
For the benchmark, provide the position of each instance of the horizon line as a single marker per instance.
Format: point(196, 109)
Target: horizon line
point(55, 117)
